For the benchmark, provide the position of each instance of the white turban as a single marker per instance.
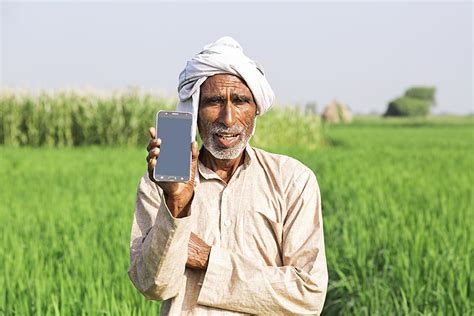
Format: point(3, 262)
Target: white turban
point(224, 56)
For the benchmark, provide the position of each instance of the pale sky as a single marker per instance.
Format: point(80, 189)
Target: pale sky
point(363, 53)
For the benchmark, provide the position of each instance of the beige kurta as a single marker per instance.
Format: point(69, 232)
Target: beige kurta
point(266, 232)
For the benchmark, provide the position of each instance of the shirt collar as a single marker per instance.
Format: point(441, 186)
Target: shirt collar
point(208, 174)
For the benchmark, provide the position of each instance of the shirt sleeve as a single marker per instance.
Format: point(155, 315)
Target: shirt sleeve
point(239, 283)
point(159, 244)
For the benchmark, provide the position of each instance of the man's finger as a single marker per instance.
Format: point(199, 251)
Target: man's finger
point(152, 164)
point(152, 154)
point(153, 143)
point(152, 132)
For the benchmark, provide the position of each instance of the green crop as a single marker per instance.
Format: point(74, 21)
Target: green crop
point(72, 118)
point(397, 201)
point(75, 118)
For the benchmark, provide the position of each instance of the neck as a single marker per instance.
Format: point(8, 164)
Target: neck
point(224, 168)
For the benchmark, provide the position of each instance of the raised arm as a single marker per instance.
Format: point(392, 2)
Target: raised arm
point(161, 229)
point(159, 245)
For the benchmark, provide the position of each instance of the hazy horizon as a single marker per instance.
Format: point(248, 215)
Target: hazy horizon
point(363, 54)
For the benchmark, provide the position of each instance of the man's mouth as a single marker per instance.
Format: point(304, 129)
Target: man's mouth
point(227, 135)
point(227, 139)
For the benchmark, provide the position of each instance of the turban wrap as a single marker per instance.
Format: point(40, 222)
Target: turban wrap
point(224, 56)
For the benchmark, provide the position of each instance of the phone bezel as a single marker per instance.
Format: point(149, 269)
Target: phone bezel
point(175, 115)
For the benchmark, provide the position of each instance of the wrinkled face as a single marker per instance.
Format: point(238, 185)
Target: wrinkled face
point(226, 117)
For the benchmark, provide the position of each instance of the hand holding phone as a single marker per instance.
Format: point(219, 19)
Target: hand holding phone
point(178, 195)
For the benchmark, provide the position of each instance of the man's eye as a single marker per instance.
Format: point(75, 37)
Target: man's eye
point(215, 101)
point(241, 101)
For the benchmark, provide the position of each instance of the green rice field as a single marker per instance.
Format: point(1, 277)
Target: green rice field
point(398, 199)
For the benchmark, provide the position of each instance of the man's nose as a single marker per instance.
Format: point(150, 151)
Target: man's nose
point(228, 114)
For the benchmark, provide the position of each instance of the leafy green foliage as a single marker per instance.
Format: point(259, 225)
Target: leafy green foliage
point(406, 106)
point(417, 101)
point(422, 93)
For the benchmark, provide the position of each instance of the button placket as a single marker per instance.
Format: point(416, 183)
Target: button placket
point(226, 217)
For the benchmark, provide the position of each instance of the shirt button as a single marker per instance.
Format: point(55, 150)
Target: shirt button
point(227, 223)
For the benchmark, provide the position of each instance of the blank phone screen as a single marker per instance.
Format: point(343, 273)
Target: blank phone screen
point(175, 150)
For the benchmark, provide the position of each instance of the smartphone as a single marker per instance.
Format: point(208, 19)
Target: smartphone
point(174, 160)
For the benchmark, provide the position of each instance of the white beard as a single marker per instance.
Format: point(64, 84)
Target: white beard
point(227, 153)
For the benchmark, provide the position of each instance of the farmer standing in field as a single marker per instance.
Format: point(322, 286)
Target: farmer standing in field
point(245, 235)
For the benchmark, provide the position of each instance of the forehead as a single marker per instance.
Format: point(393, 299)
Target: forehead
point(217, 83)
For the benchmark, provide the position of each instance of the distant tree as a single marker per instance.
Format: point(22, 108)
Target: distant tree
point(423, 93)
point(311, 108)
point(417, 101)
point(406, 106)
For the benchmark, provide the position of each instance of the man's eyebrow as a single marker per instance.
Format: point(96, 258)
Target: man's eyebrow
point(212, 98)
point(241, 97)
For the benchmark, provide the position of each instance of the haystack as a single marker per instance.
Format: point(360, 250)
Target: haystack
point(337, 112)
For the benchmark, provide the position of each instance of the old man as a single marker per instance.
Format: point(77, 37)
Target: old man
point(245, 235)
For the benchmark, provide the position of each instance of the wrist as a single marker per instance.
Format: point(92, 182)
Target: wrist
point(177, 206)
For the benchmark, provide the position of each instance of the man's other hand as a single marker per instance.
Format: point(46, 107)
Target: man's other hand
point(198, 253)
